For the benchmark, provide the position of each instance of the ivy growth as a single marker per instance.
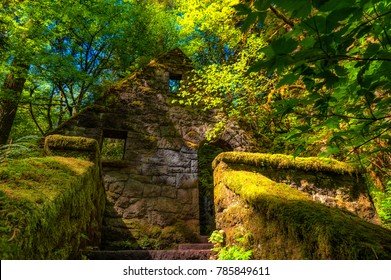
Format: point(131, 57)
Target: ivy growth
point(238, 251)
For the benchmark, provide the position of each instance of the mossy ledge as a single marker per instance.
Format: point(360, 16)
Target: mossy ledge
point(286, 224)
point(280, 161)
point(51, 207)
point(72, 146)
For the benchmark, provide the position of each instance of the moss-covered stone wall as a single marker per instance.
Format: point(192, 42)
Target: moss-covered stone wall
point(284, 222)
point(331, 182)
point(51, 207)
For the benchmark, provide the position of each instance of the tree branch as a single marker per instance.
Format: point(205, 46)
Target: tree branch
point(281, 16)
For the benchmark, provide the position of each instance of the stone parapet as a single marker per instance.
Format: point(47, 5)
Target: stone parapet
point(283, 221)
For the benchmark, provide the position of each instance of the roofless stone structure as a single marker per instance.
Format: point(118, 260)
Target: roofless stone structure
point(155, 180)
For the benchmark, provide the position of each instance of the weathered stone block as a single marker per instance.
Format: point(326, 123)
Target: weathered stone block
point(131, 154)
point(169, 156)
point(135, 210)
point(164, 204)
point(178, 170)
point(169, 143)
point(168, 131)
point(122, 202)
point(145, 179)
point(190, 211)
point(195, 196)
point(194, 225)
point(152, 191)
point(194, 166)
point(191, 153)
point(164, 180)
point(185, 196)
point(152, 169)
point(160, 218)
point(114, 176)
point(112, 197)
point(116, 187)
point(133, 188)
point(169, 191)
point(186, 181)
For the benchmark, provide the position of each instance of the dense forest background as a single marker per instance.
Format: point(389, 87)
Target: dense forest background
point(309, 78)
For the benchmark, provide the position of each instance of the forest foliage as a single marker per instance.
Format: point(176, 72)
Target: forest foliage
point(309, 78)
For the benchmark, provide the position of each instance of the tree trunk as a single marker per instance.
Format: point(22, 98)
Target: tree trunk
point(10, 97)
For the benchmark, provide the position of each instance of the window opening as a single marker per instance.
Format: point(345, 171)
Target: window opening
point(113, 145)
point(174, 82)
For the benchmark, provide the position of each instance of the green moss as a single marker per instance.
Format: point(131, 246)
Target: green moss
point(286, 224)
point(135, 234)
point(50, 207)
point(72, 146)
point(71, 143)
point(280, 161)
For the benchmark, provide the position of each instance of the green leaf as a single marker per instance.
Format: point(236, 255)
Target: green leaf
point(332, 122)
point(242, 9)
point(250, 20)
point(289, 79)
point(309, 83)
point(330, 151)
point(262, 5)
point(297, 8)
point(258, 66)
point(300, 149)
point(308, 42)
point(333, 5)
point(284, 45)
point(336, 16)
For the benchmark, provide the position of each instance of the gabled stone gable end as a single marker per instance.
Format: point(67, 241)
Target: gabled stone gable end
point(156, 181)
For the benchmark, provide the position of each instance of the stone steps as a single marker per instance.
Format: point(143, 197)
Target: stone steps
point(186, 251)
point(195, 246)
point(150, 255)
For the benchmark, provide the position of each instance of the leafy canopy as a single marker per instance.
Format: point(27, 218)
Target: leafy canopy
point(75, 49)
point(341, 52)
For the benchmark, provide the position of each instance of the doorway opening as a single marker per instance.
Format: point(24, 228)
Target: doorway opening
point(206, 155)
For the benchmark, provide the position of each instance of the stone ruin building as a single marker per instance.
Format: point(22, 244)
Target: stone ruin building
point(152, 178)
point(155, 179)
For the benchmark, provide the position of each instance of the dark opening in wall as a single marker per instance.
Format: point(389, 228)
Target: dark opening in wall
point(206, 155)
point(113, 145)
point(174, 82)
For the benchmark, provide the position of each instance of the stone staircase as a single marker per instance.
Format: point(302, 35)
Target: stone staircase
point(188, 251)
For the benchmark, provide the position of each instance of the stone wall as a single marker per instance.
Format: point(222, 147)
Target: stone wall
point(52, 208)
point(156, 182)
point(282, 222)
point(335, 184)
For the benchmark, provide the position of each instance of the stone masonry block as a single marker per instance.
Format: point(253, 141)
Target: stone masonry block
point(187, 181)
point(117, 187)
point(169, 191)
point(164, 204)
point(133, 188)
point(135, 210)
point(152, 191)
point(185, 196)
